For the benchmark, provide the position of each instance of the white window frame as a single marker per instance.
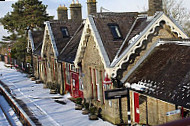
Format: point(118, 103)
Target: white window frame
point(98, 85)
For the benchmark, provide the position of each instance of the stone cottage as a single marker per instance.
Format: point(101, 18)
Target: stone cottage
point(35, 40)
point(110, 46)
point(164, 75)
point(71, 81)
point(57, 36)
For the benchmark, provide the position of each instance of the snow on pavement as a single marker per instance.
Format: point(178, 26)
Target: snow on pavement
point(41, 103)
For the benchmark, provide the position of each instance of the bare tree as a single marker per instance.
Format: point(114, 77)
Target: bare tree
point(181, 14)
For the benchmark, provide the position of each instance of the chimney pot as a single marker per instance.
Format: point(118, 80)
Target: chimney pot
point(62, 13)
point(154, 5)
point(76, 12)
point(91, 7)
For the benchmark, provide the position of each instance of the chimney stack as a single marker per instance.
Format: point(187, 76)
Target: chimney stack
point(91, 4)
point(154, 5)
point(76, 12)
point(62, 13)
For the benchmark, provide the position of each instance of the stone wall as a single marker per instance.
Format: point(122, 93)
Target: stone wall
point(49, 65)
point(156, 110)
point(60, 78)
point(110, 108)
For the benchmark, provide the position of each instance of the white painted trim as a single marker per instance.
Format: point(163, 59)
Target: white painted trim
point(116, 65)
point(133, 106)
point(139, 62)
point(99, 43)
point(127, 36)
point(52, 39)
point(159, 42)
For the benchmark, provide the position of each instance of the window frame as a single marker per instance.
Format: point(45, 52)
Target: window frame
point(91, 79)
point(116, 25)
point(67, 73)
point(64, 36)
point(97, 79)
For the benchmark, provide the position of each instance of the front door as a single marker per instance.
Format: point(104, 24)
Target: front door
point(75, 85)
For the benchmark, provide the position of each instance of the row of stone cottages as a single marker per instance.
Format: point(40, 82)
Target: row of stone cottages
point(110, 50)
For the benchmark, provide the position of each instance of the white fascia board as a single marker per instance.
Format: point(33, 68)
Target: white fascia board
point(155, 22)
point(139, 62)
point(52, 39)
point(158, 43)
point(44, 38)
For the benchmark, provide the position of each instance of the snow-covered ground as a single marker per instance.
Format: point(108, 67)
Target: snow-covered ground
point(41, 103)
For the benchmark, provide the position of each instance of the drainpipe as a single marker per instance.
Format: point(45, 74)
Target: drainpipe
point(120, 111)
point(62, 78)
point(128, 107)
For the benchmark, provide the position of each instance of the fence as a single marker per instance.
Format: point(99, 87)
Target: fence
point(26, 67)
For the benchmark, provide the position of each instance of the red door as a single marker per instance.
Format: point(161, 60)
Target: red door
point(75, 85)
point(76, 88)
point(136, 107)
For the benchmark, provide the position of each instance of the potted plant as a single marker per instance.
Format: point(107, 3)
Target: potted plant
point(78, 105)
point(85, 111)
point(92, 115)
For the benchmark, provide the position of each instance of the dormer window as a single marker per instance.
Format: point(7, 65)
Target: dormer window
point(65, 32)
point(115, 31)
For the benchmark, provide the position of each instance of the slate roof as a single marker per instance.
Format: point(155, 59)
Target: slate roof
point(123, 20)
point(60, 41)
point(69, 51)
point(37, 37)
point(38, 49)
point(140, 25)
point(130, 25)
point(166, 73)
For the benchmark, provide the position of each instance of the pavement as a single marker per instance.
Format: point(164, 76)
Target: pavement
point(41, 103)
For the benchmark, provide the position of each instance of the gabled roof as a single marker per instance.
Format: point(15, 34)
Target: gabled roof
point(124, 22)
point(166, 72)
point(68, 53)
point(56, 36)
point(56, 30)
point(135, 29)
point(35, 39)
point(136, 42)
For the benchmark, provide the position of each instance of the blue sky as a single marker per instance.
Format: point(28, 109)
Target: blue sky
point(113, 5)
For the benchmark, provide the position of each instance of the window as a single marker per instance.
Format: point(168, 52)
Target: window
point(68, 79)
point(91, 79)
point(80, 84)
point(73, 68)
point(115, 31)
point(65, 32)
point(97, 84)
